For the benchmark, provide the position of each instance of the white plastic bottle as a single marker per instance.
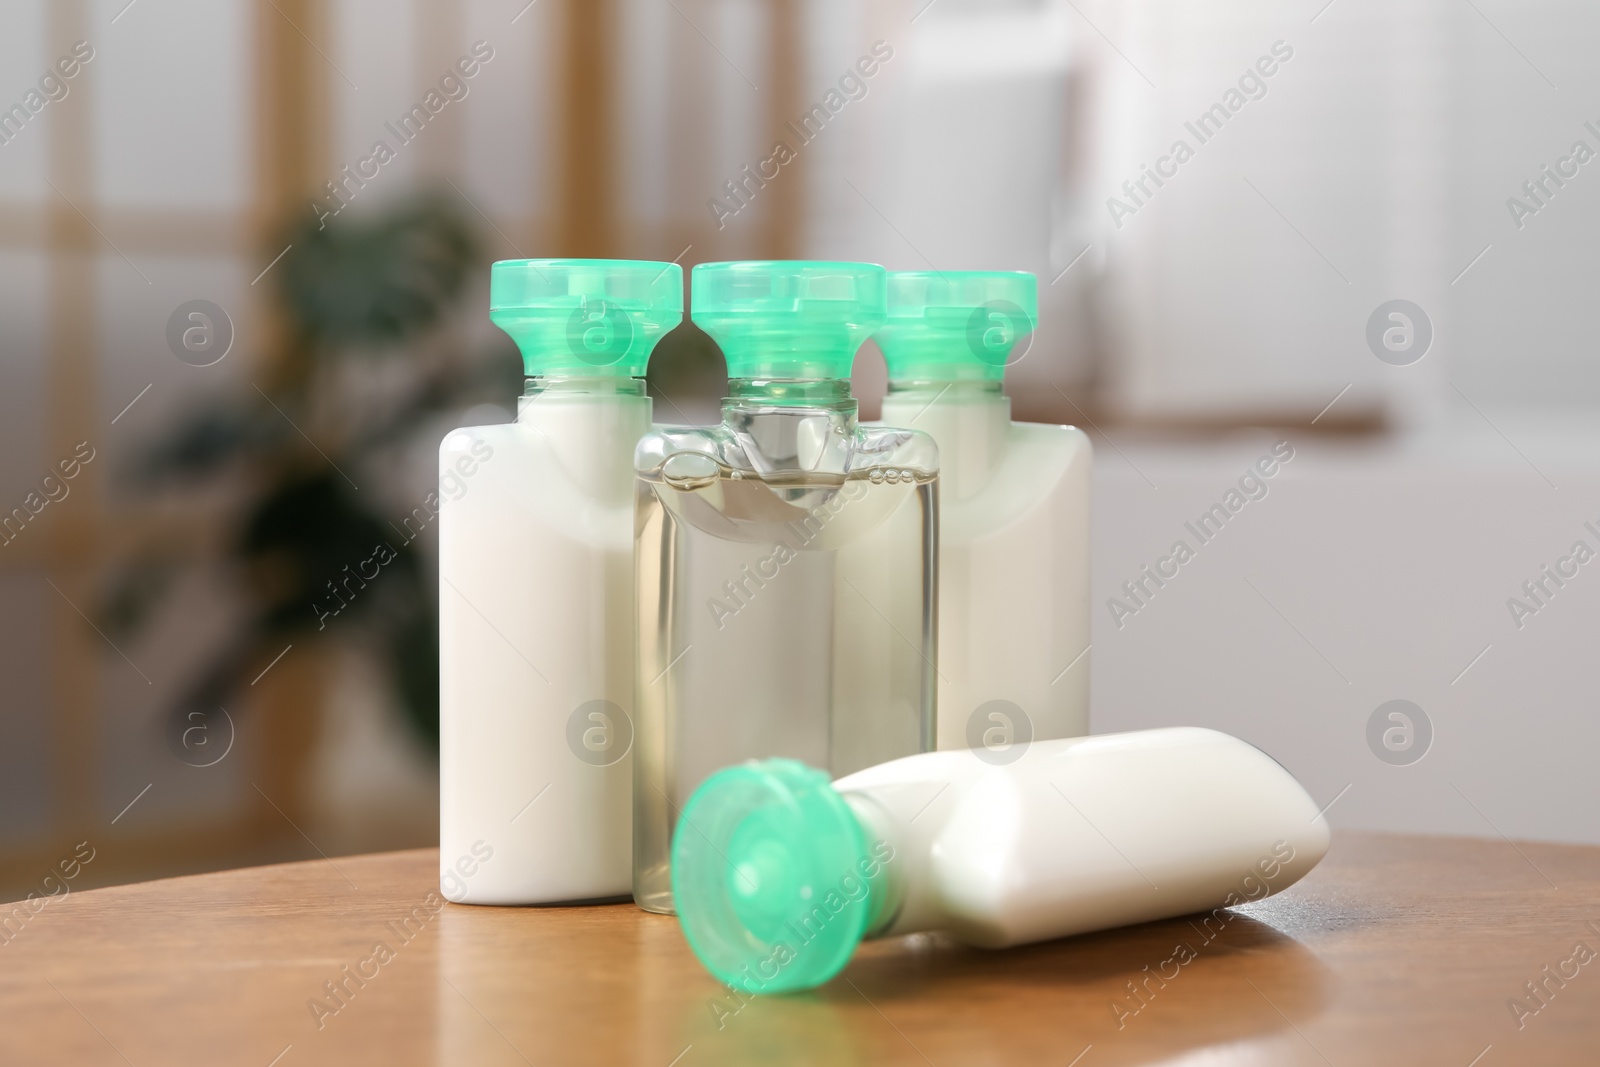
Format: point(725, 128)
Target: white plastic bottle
point(786, 873)
point(1013, 511)
point(536, 592)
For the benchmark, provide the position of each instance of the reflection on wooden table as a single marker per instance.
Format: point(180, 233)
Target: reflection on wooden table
point(1396, 950)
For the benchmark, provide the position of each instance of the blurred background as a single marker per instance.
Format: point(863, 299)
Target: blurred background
point(243, 285)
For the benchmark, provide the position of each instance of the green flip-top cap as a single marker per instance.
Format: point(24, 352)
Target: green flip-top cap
point(788, 319)
point(771, 876)
point(958, 325)
point(585, 317)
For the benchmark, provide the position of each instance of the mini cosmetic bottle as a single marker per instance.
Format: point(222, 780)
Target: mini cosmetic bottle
point(782, 873)
point(536, 591)
point(1013, 512)
point(786, 556)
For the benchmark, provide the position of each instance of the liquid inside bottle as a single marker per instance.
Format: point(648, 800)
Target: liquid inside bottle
point(786, 574)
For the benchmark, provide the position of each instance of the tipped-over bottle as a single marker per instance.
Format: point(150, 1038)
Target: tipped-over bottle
point(779, 874)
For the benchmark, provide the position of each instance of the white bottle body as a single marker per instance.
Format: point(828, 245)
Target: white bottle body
point(536, 651)
point(1013, 570)
point(1083, 834)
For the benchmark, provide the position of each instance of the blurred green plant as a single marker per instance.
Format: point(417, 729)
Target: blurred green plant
point(363, 366)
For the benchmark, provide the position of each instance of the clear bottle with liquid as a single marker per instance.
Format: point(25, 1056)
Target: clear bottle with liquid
point(786, 557)
point(536, 591)
point(1014, 512)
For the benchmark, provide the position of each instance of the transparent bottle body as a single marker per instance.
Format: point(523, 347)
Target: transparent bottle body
point(786, 583)
point(1014, 566)
point(536, 647)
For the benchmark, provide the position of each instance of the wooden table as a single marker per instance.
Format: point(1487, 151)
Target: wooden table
point(1400, 950)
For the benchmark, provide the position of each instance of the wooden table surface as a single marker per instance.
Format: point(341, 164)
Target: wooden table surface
point(1405, 950)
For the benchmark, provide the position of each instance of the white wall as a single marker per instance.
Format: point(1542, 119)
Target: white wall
point(1391, 566)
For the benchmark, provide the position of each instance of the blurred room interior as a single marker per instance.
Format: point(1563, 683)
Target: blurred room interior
point(183, 693)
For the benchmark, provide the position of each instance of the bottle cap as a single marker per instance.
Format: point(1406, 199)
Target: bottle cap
point(585, 317)
point(769, 876)
point(788, 319)
point(957, 325)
